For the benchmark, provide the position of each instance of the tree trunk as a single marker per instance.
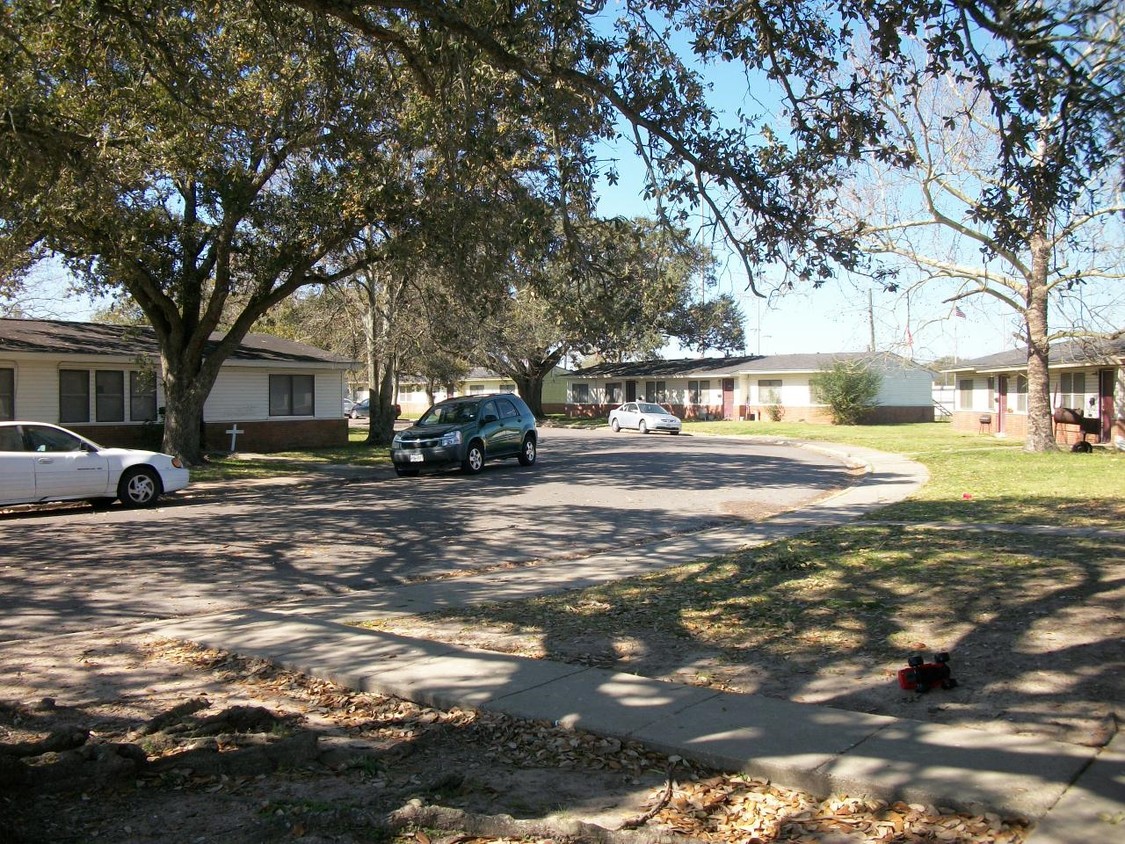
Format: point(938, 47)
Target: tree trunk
point(185, 392)
point(1040, 426)
point(530, 388)
point(382, 429)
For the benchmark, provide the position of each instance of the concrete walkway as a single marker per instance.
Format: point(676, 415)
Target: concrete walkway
point(1076, 793)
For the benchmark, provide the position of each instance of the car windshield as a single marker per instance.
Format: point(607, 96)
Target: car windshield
point(449, 414)
point(645, 407)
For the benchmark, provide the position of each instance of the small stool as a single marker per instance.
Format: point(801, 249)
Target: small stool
point(985, 423)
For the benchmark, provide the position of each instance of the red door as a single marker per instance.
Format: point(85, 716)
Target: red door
point(1105, 404)
point(1001, 402)
point(728, 398)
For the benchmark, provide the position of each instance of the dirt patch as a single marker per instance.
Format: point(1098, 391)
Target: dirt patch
point(127, 740)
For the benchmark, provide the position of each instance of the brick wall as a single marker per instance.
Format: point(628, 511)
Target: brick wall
point(277, 435)
point(257, 436)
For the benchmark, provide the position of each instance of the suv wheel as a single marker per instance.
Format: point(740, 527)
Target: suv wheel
point(474, 458)
point(527, 451)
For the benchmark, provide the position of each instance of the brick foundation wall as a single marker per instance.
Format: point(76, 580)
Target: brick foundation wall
point(277, 436)
point(1015, 427)
point(258, 436)
point(147, 437)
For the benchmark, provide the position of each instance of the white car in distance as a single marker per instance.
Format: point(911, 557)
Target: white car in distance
point(645, 417)
point(40, 462)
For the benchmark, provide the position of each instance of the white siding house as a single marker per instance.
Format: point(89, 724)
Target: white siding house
point(1087, 378)
point(104, 381)
point(751, 387)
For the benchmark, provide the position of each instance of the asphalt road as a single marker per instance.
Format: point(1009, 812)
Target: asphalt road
point(69, 569)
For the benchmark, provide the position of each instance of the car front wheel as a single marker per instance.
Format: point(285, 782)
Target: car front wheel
point(642, 427)
point(474, 459)
point(139, 487)
point(527, 452)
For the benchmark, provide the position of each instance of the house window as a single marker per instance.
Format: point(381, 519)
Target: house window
point(613, 393)
point(109, 395)
point(142, 396)
point(965, 393)
point(7, 394)
point(1020, 396)
point(476, 389)
point(74, 395)
point(580, 393)
point(656, 391)
point(698, 391)
point(507, 388)
point(769, 390)
point(1072, 390)
point(291, 395)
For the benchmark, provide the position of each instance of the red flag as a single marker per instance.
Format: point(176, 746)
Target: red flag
point(957, 312)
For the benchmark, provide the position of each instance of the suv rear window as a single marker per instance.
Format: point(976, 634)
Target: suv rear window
point(465, 411)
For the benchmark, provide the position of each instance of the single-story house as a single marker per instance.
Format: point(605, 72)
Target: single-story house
point(770, 387)
point(104, 382)
point(1087, 376)
point(414, 400)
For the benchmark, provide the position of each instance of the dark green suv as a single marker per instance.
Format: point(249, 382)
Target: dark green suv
point(466, 431)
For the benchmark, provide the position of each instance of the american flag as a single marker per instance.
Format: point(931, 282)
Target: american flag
point(957, 312)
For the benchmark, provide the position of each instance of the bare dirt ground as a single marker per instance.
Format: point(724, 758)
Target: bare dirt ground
point(127, 739)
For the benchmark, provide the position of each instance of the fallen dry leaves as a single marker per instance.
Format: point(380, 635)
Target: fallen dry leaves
point(698, 804)
point(744, 810)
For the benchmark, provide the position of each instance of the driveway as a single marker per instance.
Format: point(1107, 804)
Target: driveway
point(72, 569)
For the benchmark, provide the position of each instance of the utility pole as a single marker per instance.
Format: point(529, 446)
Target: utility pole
point(871, 321)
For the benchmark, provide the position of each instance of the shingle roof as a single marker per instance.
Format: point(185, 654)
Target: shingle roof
point(689, 367)
point(102, 339)
point(1089, 352)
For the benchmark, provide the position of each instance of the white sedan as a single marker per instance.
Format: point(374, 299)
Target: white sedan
point(41, 462)
point(644, 416)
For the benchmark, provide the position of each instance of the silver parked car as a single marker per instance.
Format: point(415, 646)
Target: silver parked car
point(42, 462)
point(645, 417)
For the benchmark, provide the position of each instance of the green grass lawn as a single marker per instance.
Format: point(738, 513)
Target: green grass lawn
point(975, 478)
point(222, 467)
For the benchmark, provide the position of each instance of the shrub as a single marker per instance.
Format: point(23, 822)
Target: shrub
point(849, 388)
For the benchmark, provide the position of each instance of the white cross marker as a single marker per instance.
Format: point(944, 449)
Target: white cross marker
point(234, 431)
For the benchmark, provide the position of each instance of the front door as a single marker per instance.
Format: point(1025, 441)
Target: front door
point(728, 398)
point(1105, 404)
point(630, 391)
point(1001, 402)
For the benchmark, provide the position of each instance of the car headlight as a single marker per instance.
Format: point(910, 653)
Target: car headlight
point(452, 438)
point(397, 441)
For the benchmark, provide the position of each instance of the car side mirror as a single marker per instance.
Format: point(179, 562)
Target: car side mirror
point(489, 417)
